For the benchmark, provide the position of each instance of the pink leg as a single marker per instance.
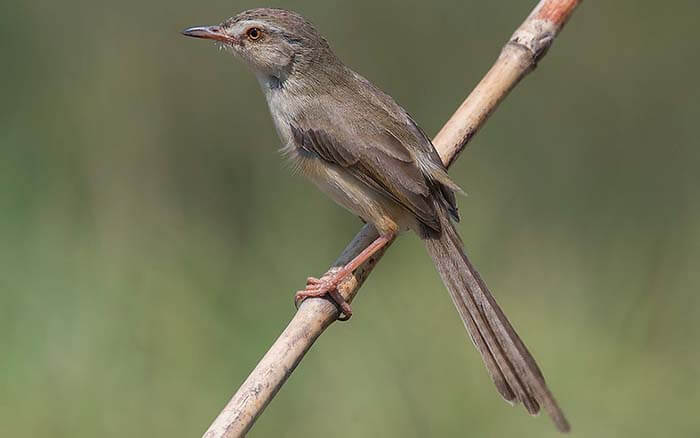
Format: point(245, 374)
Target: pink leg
point(328, 285)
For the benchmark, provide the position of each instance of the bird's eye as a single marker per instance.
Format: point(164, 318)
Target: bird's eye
point(254, 33)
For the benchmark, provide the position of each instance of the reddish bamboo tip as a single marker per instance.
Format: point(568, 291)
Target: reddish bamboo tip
point(557, 12)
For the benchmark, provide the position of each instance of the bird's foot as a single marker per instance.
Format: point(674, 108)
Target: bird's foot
point(326, 286)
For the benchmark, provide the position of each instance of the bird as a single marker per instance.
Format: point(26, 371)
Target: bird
point(360, 147)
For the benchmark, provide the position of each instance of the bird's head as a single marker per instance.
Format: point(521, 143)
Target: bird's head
point(273, 42)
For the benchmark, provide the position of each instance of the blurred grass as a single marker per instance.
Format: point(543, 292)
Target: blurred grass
point(151, 239)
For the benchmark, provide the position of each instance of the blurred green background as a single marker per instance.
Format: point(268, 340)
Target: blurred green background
point(151, 237)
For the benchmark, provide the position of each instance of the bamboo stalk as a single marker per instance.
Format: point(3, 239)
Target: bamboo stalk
point(518, 57)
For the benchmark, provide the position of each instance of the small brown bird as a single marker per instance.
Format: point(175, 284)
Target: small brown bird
point(361, 148)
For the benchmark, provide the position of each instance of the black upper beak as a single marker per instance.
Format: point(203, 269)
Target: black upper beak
point(209, 32)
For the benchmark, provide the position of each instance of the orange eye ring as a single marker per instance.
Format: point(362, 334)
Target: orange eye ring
point(254, 33)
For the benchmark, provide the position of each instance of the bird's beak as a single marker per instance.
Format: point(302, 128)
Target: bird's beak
point(210, 33)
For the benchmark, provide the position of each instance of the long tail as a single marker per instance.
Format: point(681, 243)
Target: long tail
point(510, 365)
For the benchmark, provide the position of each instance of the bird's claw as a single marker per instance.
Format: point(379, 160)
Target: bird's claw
point(322, 287)
point(312, 281)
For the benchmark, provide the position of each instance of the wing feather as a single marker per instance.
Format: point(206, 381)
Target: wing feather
point(381, 146)
point(380, 162)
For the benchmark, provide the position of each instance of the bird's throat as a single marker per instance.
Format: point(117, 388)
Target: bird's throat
point(271, 82)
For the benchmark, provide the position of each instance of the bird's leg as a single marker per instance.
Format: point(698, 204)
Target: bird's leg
point(328, 284)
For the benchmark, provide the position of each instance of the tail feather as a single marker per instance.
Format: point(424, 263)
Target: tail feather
point(508, 362)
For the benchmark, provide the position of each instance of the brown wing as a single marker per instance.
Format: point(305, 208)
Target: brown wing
point(377, 159)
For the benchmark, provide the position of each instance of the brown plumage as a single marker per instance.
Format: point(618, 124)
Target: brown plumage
point(359, 146)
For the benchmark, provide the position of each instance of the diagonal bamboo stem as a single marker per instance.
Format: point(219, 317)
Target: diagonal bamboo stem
point(518, 57)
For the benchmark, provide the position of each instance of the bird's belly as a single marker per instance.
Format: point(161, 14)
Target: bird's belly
point(347, 191)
